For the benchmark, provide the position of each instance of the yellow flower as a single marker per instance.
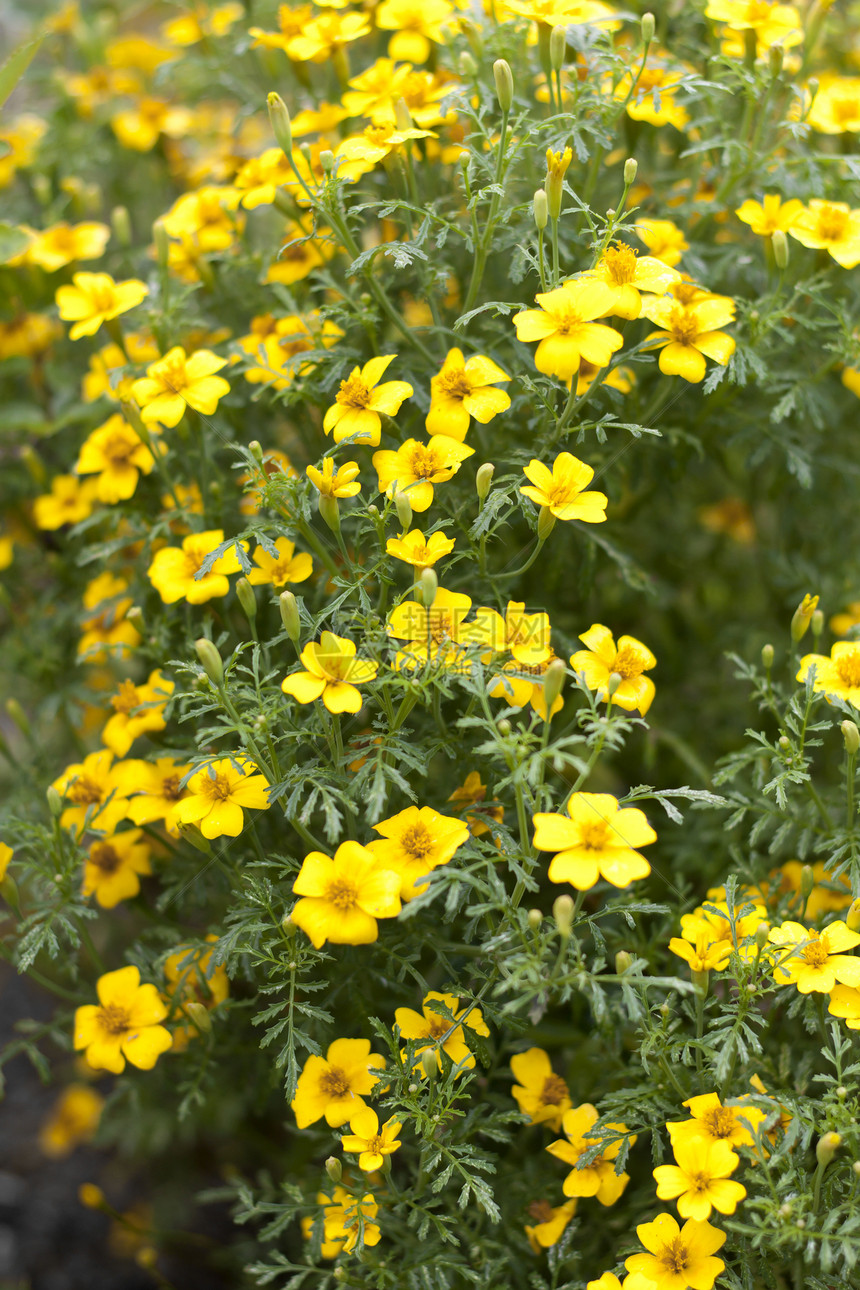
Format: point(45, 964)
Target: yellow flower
point(343, 897)
point(598, 1178)
point(73, 1120)
point(773, 22)
point(565, 328)
point(219, 794)
point(176, 382)
point(522, 683)
point(68, 502)
point(415, 467)
point(91, 792)
point(342, 1221)
point(63, 243)
point(332, 674)
point(677, 1257)
point(620, 378)
point(156, 788)
point(278, 571)
point(6, 854)
point(299, 254)
point(140, 126)
point(138, 710)
point(637, 90)
point(28, 334)
point(841, 624)
point(331, 482)
point(105, 375)
point(703, 955)
point(628, 659)
point(550, 1223)
point(464, 389)
point(595, 840)
point(95, 298)
point(814, 961)
point(327, 34)
point(770, 214)
point(336, 1085)
point(711, 1120)
point(540, 1094)
point(415, 23)
point(373, 1143)
point(173, 569)
point(419, 551)
point(845, 1003)
point(663, 239)
point(836, 107)
point(414, 842)
point(838, 675)
point(830, 226)
point(700, 1179)
point(359, 154)
point(207, 217)
point(431, 1025)
point(433, 634)
point(191, 979)
point(731, 516)
point(561, 489)
point(200, 23)
point(625, 274)
point(360, 400)
point(115, 452)
point(113, 866)
point(471, 793)
point(19, 140)
point(690, 334)
point(124, 1025)
point(526, 636)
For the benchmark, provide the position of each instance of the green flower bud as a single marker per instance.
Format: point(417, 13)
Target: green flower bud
point(851, 736)
point(19, 716)
point(328, 509)
point(255, 448)
point(802, 617)
point(247, 599)
point(546, 523)
point(327, 160)
point(767, 656)
point(290, 616)
point(334, 1169)
point(648, 24)
point(817, 625)
point(192, 834)
point(403, 506)
point(541, 210)
point(402, 115)
point(121, 225)
point(429, 1064)
point(779, 242)
point(557, 47)
point(279, 118)
point(198, 1013)
point(429, 585)
point(807, 881)
point(827, 1147)
point(55, 801)
point(553, 683)
point(615, 679)
point(483, 480)
point(631, 166)
point(211, 660)
point(562, 912)
point(467, 65)
point(623, 962)
point(775, 58)
point(136, 618)
point(762, 933)
point(535, 917)
point(504, 727)
point(504, 84)
point(162, 244)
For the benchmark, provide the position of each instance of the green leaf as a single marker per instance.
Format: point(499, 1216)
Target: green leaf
point(16, 65)
point(12, 241)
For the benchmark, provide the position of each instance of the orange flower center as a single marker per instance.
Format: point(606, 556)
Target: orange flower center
point(342, 893)
point(698, 1183)
point(422, 462)
point(353, 393)
point(375, 1144)
point(437, 1026)
point(593, 837)
point(560, 492)
point(620, 263)
point(170, 788)
point(334, 1083)
point(104, 857)
point(554, 1091)
point(172, 375)
point(540, 1211)
point(684, 326)
point(114, 1019)
point(440, 625)
point(567, 321)
point(685, 292)
point(102, 299)
point(118, 449)
point(816, 953)
point(627, 664)
point(85, 791)
point(848, 667)
point(127, 697)
point(674, 1257)
point(217, 788)
point(455, 385)
point(719, 1122)
point(832, 223)
point(417, 842)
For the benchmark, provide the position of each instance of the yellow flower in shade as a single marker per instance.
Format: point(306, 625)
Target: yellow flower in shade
point(714, 1122)
point(828, 894)
point(703, 955)
point(219, 794)
point(113, 867)
point(690, 334)
point(431, 1025)
point(836, 107)
point(373, 1143)
point(287, 567)
point(700, 1179)
point(838, 675)
point(116, 454)
point(73, 1120)
point(138, 710)
point(331, 482)
point(434, 634)
point(565, 328)
point(595, 840)
point(415, 24)
point(173, 570)
point(561, 489)
point(416, 467)
point(626, 274)
point(106, 368)
point(332, 674)
point(104, 628)
point(841, 624)
point(832, 227)
point(156, 788)
point(620, 378)
point(176, 382)
point(140, 126)
point(471, 794)
point(815, 961)
point(299, 254)
point(414, 842)
point(770, 214)
point(343, 1218)
point(628, 659)
point(334, 1087)
point(325, 35)
point(845, 1003)
point(207, 217)
point(465, 389)
point(63, 244)
point(124, 1025)
point(678, 1257)
point(28, 334)
point(540, 1094)
point(360, 401)
point(522, 683)
point(419, 551)
point(636, 90)
point(598, 1178)
point(190, 978)
point(343, 897)
point(95, 298)
point(69, 501)
point(549, 1223)
point(200, 23)
point(91, 789)
point(663, 239)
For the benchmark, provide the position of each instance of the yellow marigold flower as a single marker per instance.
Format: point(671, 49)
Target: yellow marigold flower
point(845, 1003)
point(540, 1094)
point(554, 13)
point(69, 501)
point(638, 88)
point(830, 226)
point(561, 489)
point(6, 854)
point(219, 794)
point(628, 659)
point(27, 335)
point(663, 239)
point(770, 214)
point(342, 897)
point(773, 23)
point(731, 516)
point(836, 107)
point(326, 34)
point(841, 624)
point(113, 866)
point(176, 382)
point(372, 1143)
point(360, 400)
point(415, 467)
point(332, 674)
point(419, 551)
point(202, 22)
point(472, 793)
point(261, 177)
point(207, 216)
point(63, 244)
point(550, 1223)
point(700, 1179)
point(359, 154)
point(838, 675)
point(735, 1125)
point(609, 1281)
point(341, 1221)
point(105, 368)
point(526, 636)
point(116, 454)
point(595, 840)
point(73, 1120)
point(464, 389)
point(95, 298)
point(598, 1178)
point(92, 793)
point(431, 1025)
point(278, 571)
point(851, 379)
point(690, 334)
point(434, 634)
point(138, 710)
point(331, 482)
point(828, 895)
point(299, 254)
point(140, 126)
point(336, 1085)
point(677, 1256)
point(124, 1026)
point(414, 842)
point(703, 955)
point(415, 23)
point(190, 978)
point(625, 274)
point(521, 683)
point(155, 789)
point(565, 330)
point(814, 961)
point(173, 569)
point(21, 138)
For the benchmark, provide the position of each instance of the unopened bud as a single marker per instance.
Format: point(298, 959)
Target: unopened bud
point(247, 599)
point(289, 608)
point(648, 24)
point(327, 160)
point(535, 917)
point(802, 617)
point(402, 115)
point(779, 242)
point(623, 962)
point(19, 716)
point(852, 917)
point(767, 656)
point(553, 683)
point(279, 118)
point(842, 1092)
point(92, 1196)
point(762, 933)
point(403, 506)
point(541, 210)
point(429, 1064)
point(813, 85)
point(807, 881)
point(334, 1169)
point(467, 65)
point(775, 58)
point(546, 523)
point(504, 84)
point(192, 834)
point(211, 660)
point(615, 680)
point(827, 1147)
point(34, 464)
point(562, 912)
point(557, 47)
point(429, 585)
point(288, 927)
point(162, 244)
point(373, 512)
point(255, 448)
point(198, 1013)
point(55, 801)
point(136, 619)
point(631, 166)
point(817, 625)
point(784, 743)
point(121, 225)
point(851, 737)
point(329, 511)
point(504, 727)
point(483, 480)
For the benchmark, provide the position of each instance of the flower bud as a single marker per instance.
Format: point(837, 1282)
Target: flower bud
point(562, 912)
point(162, 244)
point(546, 523)
point(784, 743)
point(541, 210)
point(191, 833)
point(402, 115)
point(623, 962)
point(827, 1147)
point(290, 616)
point(429, 1064)
point(334, 1169)
point(198, 1014)
point(211, 660)
point(615, 679)
point(504, 727)
point(247, 599)
point(279, 119)
point(535, 917)
point(92, 1196)
point(328, 509)
point(557, 47)
point(779, 242)
point(852, 916)
point(403, 506)
point(842, 1092)
point(467, 65)
point(327, 160)
point(807, 881)
point(504, 84)
point(34, 464)
point(429, 585)
point(851, 736)
point(556, 168)
point(483, 480)
point(767, 656)
point(762, 933)
point(19, 716)
point(553, 683)
point(775, 57)
point(631, 166)
point(802, 617)
point(817, 625)
point(121, 225)
point(55, 801)
point(255, 448)
point(648, 24)
point(136, 618)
